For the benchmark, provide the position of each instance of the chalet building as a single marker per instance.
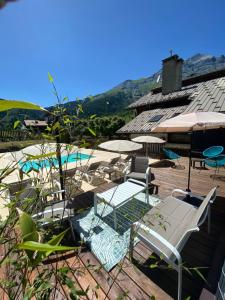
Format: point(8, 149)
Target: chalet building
point(175, 96)
point(36, 126)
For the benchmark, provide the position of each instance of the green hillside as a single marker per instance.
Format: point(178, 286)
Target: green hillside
point(116, 100)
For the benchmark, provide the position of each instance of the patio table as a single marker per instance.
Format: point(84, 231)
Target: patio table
point(119, 195)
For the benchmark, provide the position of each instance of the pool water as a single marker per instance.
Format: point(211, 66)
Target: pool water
point(52, 161)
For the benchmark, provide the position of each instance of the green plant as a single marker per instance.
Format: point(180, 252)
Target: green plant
point(25, 246)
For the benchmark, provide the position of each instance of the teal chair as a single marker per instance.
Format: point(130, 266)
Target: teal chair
point(213, 151)
point(214, 159)
point(216, 162)
point(172, 155)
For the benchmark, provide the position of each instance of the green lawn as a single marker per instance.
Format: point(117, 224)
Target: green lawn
point(17, 145)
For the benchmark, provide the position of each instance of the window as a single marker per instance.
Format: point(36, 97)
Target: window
point(155, 118)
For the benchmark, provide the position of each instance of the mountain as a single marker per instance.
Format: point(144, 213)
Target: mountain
point(118, 98)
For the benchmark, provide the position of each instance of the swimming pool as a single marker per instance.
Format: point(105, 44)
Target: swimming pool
point(52, 161)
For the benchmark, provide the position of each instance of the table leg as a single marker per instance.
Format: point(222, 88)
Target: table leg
point(95, 204)
point(115, 218)
point(147, 195)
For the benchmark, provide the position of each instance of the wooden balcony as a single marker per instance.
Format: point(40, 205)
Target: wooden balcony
point(138, 280)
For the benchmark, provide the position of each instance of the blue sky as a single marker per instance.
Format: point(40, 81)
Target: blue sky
point(89, 46)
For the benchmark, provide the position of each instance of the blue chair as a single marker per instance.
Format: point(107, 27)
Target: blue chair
point(212, 151)
point(215, 162)
point(172, 155)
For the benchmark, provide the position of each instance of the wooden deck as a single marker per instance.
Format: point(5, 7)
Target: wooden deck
point(128, 281)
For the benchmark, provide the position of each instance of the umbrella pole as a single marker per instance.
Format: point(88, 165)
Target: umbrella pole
point(189, 168)
point(146, 150)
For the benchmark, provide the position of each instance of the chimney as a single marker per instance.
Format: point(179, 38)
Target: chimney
point(171, 74)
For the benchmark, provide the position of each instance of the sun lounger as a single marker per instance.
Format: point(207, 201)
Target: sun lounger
point(91, 172)
point(110, 167)
point(166, 235)
point(124, 162)
point(72, 185)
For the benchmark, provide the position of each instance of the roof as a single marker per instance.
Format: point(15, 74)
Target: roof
point(151, 98)
point(205, 93)
point(141, 123)
point(202, 96)
point(35, 123)
point(209, 96)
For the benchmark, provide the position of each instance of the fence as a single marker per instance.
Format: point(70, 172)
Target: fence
point(13, 135)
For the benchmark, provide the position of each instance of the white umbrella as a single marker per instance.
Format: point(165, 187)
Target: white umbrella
point(192, 122)
point(148, 139)
point(120, 146)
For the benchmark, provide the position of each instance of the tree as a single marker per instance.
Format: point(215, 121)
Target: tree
point(4, 2)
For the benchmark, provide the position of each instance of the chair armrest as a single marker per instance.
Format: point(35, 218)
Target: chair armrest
point(55, 193)
point(159, 238)
point(50, 211)
point(148, 171)
point(136, 181)
point(179, 191)
point(103, 168)
point(126, 170)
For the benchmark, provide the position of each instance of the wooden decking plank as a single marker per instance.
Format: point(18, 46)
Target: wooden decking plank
point(111, 289)
point(142, 250)
point(86, 281)
point(147, 285)
point(197, 252)
point(127, 284)
point(61, 261)
point(168, 278)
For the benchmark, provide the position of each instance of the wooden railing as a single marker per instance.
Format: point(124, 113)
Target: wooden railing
point(13, 135)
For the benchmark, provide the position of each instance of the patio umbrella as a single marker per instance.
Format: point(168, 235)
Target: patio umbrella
point(148, 139)
point(120, 146)
point(190, 122)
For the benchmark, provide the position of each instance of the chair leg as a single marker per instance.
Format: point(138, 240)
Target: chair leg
point(179, 294)
point(95, 204)
point(178, 160)
point(209, 219)
point(131, 246)
point(147, 191)
point(72, 231)
point(115, 218)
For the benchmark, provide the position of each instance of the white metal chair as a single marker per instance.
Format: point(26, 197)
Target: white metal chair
point(56, 211)
point(139, 170)
point(167, 235)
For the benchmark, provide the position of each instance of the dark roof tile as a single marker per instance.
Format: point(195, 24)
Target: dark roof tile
point(203, 96)
point(141, 123)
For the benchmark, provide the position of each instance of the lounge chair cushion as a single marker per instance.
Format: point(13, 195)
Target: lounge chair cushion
point(171, 219)
point(136, 175)
point(141, 176)
point(139, 164)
